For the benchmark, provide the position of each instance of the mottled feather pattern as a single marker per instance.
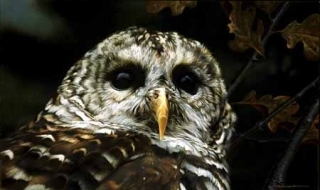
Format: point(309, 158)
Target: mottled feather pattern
point(69, 158)
point(92, 135)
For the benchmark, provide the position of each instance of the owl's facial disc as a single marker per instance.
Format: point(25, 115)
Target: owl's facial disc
point(160, 107)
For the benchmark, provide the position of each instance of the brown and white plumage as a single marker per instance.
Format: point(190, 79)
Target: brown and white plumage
point(102, 129)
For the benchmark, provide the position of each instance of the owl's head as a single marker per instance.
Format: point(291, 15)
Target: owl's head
point(158, 83)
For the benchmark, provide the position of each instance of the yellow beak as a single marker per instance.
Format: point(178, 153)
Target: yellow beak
point(160, 107)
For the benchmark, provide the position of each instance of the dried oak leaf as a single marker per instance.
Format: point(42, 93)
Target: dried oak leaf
point(176, 7)
point(267, 6)
point(308, 33)
point(312, 136)
point(284, 119)
point(259, 105)
point(241, 25)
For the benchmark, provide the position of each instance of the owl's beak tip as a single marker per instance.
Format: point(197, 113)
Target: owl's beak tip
point(161, 109)
point(162, 122)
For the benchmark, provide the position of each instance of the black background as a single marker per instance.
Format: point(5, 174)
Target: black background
point(40, 40)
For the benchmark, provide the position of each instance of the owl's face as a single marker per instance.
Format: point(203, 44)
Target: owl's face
point(122, 78)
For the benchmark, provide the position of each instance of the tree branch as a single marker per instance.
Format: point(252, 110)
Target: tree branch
point(282, 106)
point(279, 177)
point(288, 102)
point(253, 59)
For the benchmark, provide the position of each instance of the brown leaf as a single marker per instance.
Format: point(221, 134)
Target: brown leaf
point(284, 118)
point(241, 25)
point(312, 136)
point(250, 98)
point(176, 7)
point(268, 6)
point(308, 33)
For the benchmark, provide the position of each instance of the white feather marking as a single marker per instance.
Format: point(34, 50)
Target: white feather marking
point(46, 154)
point(82, 115)
point(136, 156)
point(77, 80)
point(173, 144)
point(64, 101)
point(98, 176)
point(140, 37)
point(78, 101)
point(210, 186)
point(133, 147)
point(105, 131)
point(47, 136)
point(17, 173)
point(222, 137)
point(61, 112)
point(111, 159)
point(124, 153)
point(174, 166)
point(202, 172)
point(66, 160)
point(36, 187)
point(60, 157)
point(217, 164)
point(8, 153)
point(39, 148)
point(85, 125)
point(182, 187)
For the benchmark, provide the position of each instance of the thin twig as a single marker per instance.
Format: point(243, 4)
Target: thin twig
point(288, 102)
point(292, 186)
point(274, 112)
point(253, 59)
point(273, 140)
point(279, 177)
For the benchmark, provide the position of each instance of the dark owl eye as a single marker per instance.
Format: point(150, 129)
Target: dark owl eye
point(186, 80)
point(125, 78)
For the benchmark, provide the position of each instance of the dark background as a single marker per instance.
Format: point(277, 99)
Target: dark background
point(40, 40)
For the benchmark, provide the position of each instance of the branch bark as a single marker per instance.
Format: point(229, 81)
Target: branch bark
point(253, 59)
point(261, 124)
point(279, 176)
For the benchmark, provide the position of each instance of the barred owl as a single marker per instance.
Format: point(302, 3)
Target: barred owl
point(141, 110)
